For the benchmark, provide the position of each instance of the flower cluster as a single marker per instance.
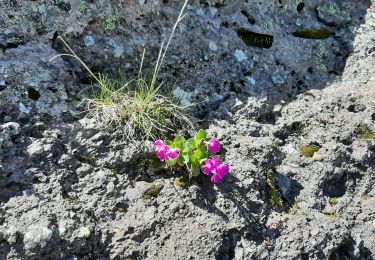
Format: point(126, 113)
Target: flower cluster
point(198, 154)
point(164, 152)
point(218, 169)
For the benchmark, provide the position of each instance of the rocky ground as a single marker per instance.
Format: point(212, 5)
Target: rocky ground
point(288, 86)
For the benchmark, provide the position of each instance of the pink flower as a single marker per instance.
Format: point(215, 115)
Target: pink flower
point(173, 153)
point(218, 169)
point(214, 146)
point(164, 152)
point(211, 165)
point(159, 143)
point(223, 170)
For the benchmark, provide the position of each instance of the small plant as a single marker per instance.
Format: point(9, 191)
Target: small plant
point(152, 192)
point(198, 154)
point(309, 150)
point(85, 232)
point(313, 34)
point(333, 201)
point(296, 207)
point(272, 193)
point(139, 106)
point(332, 215)
point(297, 128)
point(83, 8)
point(110, 23)
point(365, 131)
point(181, 182)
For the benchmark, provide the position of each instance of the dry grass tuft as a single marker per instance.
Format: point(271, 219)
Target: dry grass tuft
point(138, 106)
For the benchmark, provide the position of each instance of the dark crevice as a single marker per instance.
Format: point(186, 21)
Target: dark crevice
point(255, 39)
point(317, 34)
point(33, 94)
point(248, 16)
point(300, 7)
point(229, 242)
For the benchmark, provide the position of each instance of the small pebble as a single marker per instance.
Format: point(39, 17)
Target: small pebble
point(89, 40)
point(240, 55)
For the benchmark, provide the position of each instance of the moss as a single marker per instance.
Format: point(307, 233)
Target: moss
point(152, 192)
point(331, 215)
point(71, 201)
point(15, 40)
point(333, 201)
point(89, 159)
point(255, 39)
point(313, 33)
point(272, 193)
point(365, 132)
point(309, 150)
point(295, 207)
point(297, 128)
point(83, 8)
point(309, 94)
point(181, 182)
point(85, 232)
point(110, 23)
point(299, 21)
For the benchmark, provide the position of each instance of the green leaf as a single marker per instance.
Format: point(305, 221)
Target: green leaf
point(179, 139)
point(195, 170)
point(191, 143)
point(198, 155)
point(180, 161)
point(168, 143)
point(201, 135)
point(172, 162)
point(186, 158)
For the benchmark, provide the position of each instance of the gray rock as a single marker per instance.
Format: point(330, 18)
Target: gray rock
point(240, 55)
point(89, 40)
point(335, 14)
point(37, 237)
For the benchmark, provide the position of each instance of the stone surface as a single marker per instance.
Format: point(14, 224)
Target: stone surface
point(71, 190)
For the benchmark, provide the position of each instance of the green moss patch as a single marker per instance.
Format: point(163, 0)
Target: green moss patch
point(333, 201)
point(365, 132)
point(272, 193)
point(182, 182)
point(313, 33)
point(255, 39)
point(309, 150)
point(152, 192)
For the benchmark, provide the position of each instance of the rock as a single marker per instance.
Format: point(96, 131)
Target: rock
point(200, 12)
point(37, 237)
point(333, 14)
point(278, 79)
point(7, 132)
point(263, 101)
point(212, 46)
point(88, 40)
point(183, 96)
point(285, 185)
point(240, 55)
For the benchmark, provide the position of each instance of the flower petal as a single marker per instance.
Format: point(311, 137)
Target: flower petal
point(173, 153)
point(158, 143)
point(206, 169)
point(214, 146)
point(215, 178)
point(223, 170)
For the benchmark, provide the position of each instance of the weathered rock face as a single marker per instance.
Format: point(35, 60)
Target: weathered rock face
point(289, 86)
